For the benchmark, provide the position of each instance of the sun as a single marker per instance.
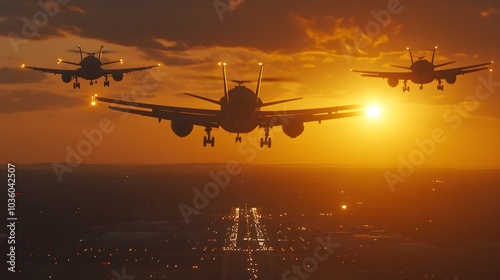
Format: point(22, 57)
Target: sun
point(373, 112)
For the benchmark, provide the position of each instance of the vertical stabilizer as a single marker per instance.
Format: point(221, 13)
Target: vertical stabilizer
point(80, 49)
point(411, 56)
point(224, 77)
point(258, 82)
point(433, 53)
point(100, 53)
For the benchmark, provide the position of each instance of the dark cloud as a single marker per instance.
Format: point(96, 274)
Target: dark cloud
point(17, 101)
point(258, 24)
point(17, 76)
point(171, 59)
point(264, 25)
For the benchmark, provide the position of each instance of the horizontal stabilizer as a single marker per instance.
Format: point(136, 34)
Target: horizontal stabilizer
point(279, 102)
point(404, 67)
point(203, 98)
point(443, 64)
point(111, 62)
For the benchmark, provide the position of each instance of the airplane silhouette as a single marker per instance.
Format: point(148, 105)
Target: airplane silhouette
point(424, 72)
point(90, 69)
point(240, 112)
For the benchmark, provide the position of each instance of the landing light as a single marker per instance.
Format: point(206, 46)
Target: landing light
point(93, 103)
point(22, 66)
point(373, 112)
point(121, 61)
point(59, 60)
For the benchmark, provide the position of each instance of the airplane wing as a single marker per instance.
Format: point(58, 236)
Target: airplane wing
point(53, 71)
point(277, 118)
point(126, 70)
point(385, 75)
point(442, 74)
point(201, 117)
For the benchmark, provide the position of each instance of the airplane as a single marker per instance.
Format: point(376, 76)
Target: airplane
point(90, 69)
point(240, 112)
point(423, 72)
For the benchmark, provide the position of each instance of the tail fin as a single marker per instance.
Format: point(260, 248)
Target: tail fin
point(433, 54)
point(258, 83)
point(411, 56)
point(224, 77)
point(80, 49)
point(100, 53)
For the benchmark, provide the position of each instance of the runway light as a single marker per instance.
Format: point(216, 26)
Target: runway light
point(344, 207)
point(373, 112)
point(93, 103)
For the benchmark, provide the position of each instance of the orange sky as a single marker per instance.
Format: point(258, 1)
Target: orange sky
point(314, 44)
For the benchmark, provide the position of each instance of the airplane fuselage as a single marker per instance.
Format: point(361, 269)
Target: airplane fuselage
point(237, 115)
point(90, 68)
point(422, 72)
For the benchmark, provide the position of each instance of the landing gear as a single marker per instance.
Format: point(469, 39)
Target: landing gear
point(440, 85)
point(238, 138)
point(406, 87)
point(421, 87)
point(91, 82)
point(106, 82)
point(76, 84)
point(266, 140)
point(207, 139)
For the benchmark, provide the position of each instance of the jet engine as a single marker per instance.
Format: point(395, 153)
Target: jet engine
point(451, 79)
point(117, 76)
point(293, 129)
point(393, 82)
point(66, 78)
point(181, 128)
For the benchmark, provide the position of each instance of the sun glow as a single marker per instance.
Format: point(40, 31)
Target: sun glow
point(373, 112)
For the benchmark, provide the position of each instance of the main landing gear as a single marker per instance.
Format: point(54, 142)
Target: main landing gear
point(266, 140)
point(207, 139)
point(238, 138)
point(106, 82)
point(76, 84)
point(440, 85)
point(406, 87)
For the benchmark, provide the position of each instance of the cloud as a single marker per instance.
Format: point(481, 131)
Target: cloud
point(10, 75)
point(18, 101)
